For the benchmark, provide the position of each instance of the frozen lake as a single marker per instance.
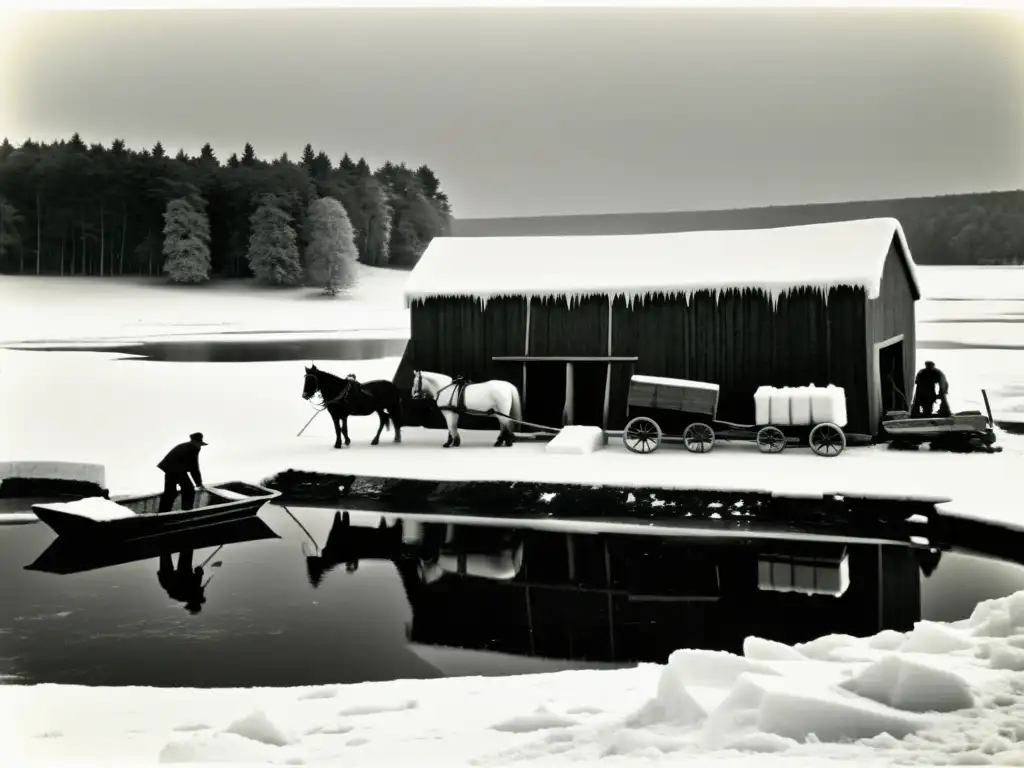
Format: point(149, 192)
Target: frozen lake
point(225, 348)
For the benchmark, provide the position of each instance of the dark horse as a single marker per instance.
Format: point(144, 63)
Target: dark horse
point(347, 544)
point(348, 397)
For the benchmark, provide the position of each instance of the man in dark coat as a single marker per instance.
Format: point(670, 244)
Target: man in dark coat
point(930, 385)
point(181, 461)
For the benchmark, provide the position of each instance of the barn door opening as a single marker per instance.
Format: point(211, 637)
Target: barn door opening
point(588, 393)
point(547, 394)
point(892, 377)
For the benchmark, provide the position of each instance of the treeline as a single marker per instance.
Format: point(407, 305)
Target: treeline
point(68, 208)
point(983, 228)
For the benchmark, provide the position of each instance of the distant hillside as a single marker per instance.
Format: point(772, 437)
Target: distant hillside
point(984, 228)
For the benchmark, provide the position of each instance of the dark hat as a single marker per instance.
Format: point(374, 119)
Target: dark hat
point(198, 438)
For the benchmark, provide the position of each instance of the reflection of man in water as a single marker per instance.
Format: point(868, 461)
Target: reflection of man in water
point(930, 385)
point(184, 583)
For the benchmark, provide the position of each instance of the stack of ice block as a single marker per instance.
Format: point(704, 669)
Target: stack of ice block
point(828, 404)
point(799, 406)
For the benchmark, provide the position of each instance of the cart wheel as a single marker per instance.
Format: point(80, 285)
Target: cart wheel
point(642, 435)
point(699, 438)
point(771, 440)
point(827, 439)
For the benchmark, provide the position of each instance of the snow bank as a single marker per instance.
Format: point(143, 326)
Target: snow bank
point(928, 686)
point(911, 685)
point(94, 508)
point(774, 261)
point(891, 699)
point(796, 709)
point(576, 440)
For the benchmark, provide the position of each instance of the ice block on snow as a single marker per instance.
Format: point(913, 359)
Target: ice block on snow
point(829, 404)
point(577, 439)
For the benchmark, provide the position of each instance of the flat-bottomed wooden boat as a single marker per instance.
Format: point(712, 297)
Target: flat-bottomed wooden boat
point(137, 517)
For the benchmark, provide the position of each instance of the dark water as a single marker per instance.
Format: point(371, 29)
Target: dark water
point(423, 600)
point(225, 350)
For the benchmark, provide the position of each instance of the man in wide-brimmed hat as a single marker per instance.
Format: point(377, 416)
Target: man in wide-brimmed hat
point(180, 462)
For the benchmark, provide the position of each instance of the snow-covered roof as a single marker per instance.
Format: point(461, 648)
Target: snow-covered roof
point(822, 256)
point(663, 381)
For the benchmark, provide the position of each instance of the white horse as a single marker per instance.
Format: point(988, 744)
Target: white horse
point(485, 398)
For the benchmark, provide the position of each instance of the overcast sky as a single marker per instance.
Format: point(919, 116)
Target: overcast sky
point(539, 112)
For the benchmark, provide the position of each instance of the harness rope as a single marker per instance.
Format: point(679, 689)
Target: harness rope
point(323, 404)
point(460, 394)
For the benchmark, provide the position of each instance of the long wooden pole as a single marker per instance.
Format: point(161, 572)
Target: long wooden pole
point(608, 369)
point(526, 352)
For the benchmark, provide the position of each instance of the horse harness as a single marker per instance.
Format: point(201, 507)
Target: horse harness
point(459, 385)
point(457, 399)
point(344, 395)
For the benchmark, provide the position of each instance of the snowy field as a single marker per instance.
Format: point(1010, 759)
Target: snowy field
point(941, 695)
point(36, 309)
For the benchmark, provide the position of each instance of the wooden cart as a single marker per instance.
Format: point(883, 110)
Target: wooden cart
point(661, 408)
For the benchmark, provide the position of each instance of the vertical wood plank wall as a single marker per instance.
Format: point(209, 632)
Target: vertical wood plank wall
point(741, 342)
point(737, 340)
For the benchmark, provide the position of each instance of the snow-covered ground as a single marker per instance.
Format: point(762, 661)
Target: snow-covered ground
point(81, 406)
point(942, 694)
point(799, 706)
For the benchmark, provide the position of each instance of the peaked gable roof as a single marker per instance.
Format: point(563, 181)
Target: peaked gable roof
point(775, 261)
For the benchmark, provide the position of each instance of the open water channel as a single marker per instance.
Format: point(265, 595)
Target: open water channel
point(302, 596)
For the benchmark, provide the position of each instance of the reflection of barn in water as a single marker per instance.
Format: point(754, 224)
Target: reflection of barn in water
point(575, 315)
point(637, 598)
